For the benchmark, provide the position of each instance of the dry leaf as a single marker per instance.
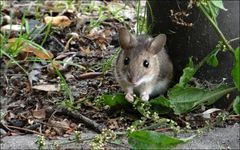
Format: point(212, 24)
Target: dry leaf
point(11, 40)
point(37, 52)
point(207, 114)
point(28, 48)
point(47, 87)
point(59, 21)
point(39, 114)
point(60, 127)
point(85, 50)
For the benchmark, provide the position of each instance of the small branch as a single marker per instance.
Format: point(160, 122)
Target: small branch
point(76, 115)
point(232, 40)
point(90, 75)
point(23, 129)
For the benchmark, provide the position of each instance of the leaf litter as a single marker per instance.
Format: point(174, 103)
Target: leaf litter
point(74, 48)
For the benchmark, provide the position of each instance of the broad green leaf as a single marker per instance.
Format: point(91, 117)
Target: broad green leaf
point(236, 105)
point(151, 140)
point(160, 105)
point(236, 68)
point(188, 73)
point(212, 60)
point(114, 100)
point(185, 99)
point(218, 4)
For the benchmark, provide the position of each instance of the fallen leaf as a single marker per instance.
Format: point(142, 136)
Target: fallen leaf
point(47, 87)
point(39, 114)
point(59, 21)
point(85, 50)
point(11, 40)
point(39, 53)
point(90, 75)
point(103, 47)
point(47, 131)
point(60, 126)
point(207, 114)
point(28, 48)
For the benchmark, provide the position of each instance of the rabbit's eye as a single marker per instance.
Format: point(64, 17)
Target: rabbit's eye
point(126, 61)
point(145, 63)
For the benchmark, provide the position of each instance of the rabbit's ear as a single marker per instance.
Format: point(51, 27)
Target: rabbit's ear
point(126, 39)
point(158, 43)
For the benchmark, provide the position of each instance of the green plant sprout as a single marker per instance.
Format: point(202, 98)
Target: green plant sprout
point(15, 48)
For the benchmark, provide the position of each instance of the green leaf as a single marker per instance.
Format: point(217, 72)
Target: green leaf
point(236, 68)
point(218, 4)
point(212, 7)
point(188, 73)
point(185, 99)
point(236, 105)
point(114, 100)
point(151, 140)
point(212, 60)
point(160, 105)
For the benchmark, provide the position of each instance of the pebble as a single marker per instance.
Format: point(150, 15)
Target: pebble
point(12, 28)
point(2, 132)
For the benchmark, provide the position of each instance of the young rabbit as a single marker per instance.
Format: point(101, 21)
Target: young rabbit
point(143, 66)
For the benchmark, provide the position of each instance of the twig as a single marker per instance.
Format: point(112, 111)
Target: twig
point(23, 129)
point(76, 115)
point(90, 75)
point(232, 40)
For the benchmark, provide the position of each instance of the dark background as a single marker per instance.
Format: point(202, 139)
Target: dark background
point(198, 40)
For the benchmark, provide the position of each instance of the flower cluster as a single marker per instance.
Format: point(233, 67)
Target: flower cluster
point(40, 141)
point(99, 141)
point(131, 129)
point(77, 136)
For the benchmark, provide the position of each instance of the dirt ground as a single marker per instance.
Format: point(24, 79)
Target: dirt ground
point(217, 138)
